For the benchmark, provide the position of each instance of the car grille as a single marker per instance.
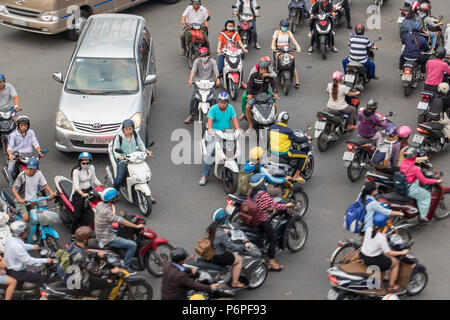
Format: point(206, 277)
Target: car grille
point(81, 144)
point(104, 128)
point(22, 12)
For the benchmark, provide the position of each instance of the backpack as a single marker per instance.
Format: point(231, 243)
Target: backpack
point(406, 26)
point(248, 212)
point(121, 138)
point(204, 249)
point(382, 156)
point(230, 41)
point(64, 259)
point(435, 110)
point(243, 182)
point(354, 216)
point(278, 35)
point(400, 183)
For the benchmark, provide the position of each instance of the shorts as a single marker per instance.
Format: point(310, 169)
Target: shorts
point(224, 260)
point(2, 279)
point(383, 262)
point(21, 209)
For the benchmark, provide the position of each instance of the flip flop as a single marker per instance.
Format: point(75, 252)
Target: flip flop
point(394, 289)
point(238, 285)
point(241, 117)
point(276, 268)
point(248, 131)
point(297, 85)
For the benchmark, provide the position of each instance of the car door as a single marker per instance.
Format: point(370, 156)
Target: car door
point(143, 61)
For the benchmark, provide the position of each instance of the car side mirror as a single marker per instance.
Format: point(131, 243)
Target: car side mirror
point(150, 79)
point(118, 150)
point(58, 77)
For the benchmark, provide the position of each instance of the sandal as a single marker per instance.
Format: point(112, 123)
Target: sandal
point(394, 288)
point(297, 85)
point(249, 130)
point(241, 117)
point(276, 267)
point(237, 285)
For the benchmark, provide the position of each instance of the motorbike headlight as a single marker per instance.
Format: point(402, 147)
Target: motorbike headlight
point(61, 121)
point(137, 119)
point(51, 16)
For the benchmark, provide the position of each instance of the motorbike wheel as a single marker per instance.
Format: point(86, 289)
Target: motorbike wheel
point(260, 276)
point(322, 144)
point(233, 90)
point(296, 233)
point(301, 201)
point(155, 260)
point(323, 51)
point(343, 255)
point(417, 282)
point(443, 210)
point(5, 147)
point(406, 90)
point(138, 291)
point(229, 180)
point(286, 86)
point(292, 22)
point(309, 168)
point(144, 203)
point(51, 243)
point(355, 170)
point(65, 217)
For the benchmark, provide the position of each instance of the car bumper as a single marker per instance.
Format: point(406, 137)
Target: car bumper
point(32, 24)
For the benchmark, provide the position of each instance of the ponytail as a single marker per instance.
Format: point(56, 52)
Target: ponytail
point(375, 231)
point(76, 167)
point(335, 90)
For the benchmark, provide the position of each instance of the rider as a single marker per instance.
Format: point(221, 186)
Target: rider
point(27, 185)
point(318, 7)
point(415, 43)
point(204, 68)
point(249, 7)
point(435, 70)
point(84, 180)
point(6, 280)
point(259, 82)
point(220, 117)
point(403, 134)
point(178, 280)
point(429, 24)
point(281, 138)
point(390, 140)
point(283, 37)
point(225, 251)
point(195, 13)
point(21, 140)
point(8, 97)
point(228, 37)
point(17, 258)
point(443, 89)
point(105, 215)
point(369, 121)
point(337, 102)
point(413, 176)
point(128, 141)
point(359, 50)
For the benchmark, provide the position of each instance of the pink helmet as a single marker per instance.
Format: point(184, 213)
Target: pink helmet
point(404, 131)
point(415, 6)
point(337, 76)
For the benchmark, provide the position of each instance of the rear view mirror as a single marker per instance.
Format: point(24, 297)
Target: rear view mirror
point(151, 144)
point(379, 38)
point(257, 7)
point(58, 77)
point(44, 151)
point(390, 114)
point(150, 79)
point(309, 127)
point(233, 6)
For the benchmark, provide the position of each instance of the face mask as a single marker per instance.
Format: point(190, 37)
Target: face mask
point(85, 166)
point(230, 28)
point(284, 29)
point(205, 59)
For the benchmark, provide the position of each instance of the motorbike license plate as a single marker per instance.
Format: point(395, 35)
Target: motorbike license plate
point(349, 78)
point(400, 20)
point(317, 133)
point(320, 125)
point(332, 294)
point(407, 77)
point(348, 156)
point(230, 209)
point(422, 105)
point(98, 140)
point(418, 138)
point(19, 22)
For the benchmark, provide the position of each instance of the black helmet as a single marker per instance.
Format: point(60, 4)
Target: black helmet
point(441, 52)
point(178, 255)
point(196, 2)
point(264, 65)
point(372, 104)
point(360, 29)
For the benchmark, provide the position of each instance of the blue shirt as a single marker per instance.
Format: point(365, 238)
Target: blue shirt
point(411, 50)
point(21, 144)
point(372, 207)
point(221, 119)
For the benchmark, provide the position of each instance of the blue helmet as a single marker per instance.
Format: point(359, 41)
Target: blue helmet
point(127, 123)
point(284, 23)
point(248, 167)
point(223, 96)
point(391, 130)
point(379, 219)
point(219, 215)
point(2, 77)
point(33, 163)
point(256, 181)
point(109, 194)
point(85, 156)
point(417, 26)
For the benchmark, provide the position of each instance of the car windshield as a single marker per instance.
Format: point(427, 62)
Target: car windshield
point(102, 76)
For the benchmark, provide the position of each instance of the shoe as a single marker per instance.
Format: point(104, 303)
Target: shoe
point(310, 50)
point(189, 119)
point(349, 26)
point(257, 46)
point(131, 271)
point(423, 222)
point(335, 50)
point(203, 181)
point(375, 78)
point(310, 34)
point(334, 32)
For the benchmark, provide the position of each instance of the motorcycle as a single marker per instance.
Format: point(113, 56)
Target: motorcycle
point(218, 294)
point(356, 74)
point(246, 28)
point(297, 10)
point(197, 41)
point(21, 163)
point(263, 112)
point(355, 280)
point(430, 137)
point(340, 13)
point(284, 66)
point(204, 99)
point(66, 212)
point(423, 104)
point(136, 187)
point(322, 32)
point(232, 71)
point(410, 75)
point(227, 152)
point(7, 125)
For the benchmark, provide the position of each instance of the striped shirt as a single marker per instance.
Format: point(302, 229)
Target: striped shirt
point(359, 46)
point(104, 217)
point(263, 202)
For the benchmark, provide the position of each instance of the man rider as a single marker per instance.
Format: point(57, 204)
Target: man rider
point(249, 7)
point(204, 68)
point(435, 70)
point(27, 185)
point(429, 23)
point(8, 97)
point(259, 82)
point(17, 258)
point(319, 7)
point(178, 280)
point(195, 13)
point(281, 138)
point(443, 89)
point(415, 43)
point(359, 47)
point(369, 121)
point(105, 215)
point(21, 140)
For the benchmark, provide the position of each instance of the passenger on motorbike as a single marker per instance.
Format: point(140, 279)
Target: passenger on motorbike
point(391, 137)
point(443, 89)
point(204, 68)
point(359, 50)
point(283, 37)
point(8, 97)
point(375, 251)
point(319, 7)
point(337, 102)
point(27, 186)
point(178, 280)
point(220, 117)
point(84, 180)
point(435, 70)
point(128, 141)
point(429, 24)
point(17, 258)
point(259, 82)
point(403, 135)
point(413, 176)
point(228, 37)
point(281, 138)
point(195, 13)
point(6, 280)
point(249, 7)
point(22, 140)
point(415, 43)
point(369, 121)
point(225, 251)
point(105, 215)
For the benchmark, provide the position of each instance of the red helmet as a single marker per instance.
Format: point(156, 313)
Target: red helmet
point(203, 51)
point(360, 29)
point(266, 58)
point(415, 6)
point(425, 7)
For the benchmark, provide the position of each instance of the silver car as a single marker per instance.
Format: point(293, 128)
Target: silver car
point(110, 78)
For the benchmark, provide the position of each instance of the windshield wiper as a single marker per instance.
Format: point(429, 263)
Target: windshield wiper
point(78, 90)
point(119, 92)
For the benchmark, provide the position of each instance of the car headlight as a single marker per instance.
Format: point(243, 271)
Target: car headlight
point(61, 121)
point(51, 16)
point(137, 119)
point(3, 9)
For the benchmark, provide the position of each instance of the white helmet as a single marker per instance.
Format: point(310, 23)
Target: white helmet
point(17, 227)
point(283, 117)
point(390, 296)
point(443, 88)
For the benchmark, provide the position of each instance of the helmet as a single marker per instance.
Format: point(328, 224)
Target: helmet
point(256, 152)
point(229, 21)
point(264, 65)
point(410, 152)
point(223, 96)
point(424, 7)
point(23, 119)
point(337, 76)
point(284, 23)
point(283, 117)
point(441, 52)
point(360, 29)
point(17, 227)
point(83, 233)
point(2, 77)
point(256, 181)
point(33, 163)
point(127, 123)
point(85, 156)
point(196, 2)
point(372, 104)
point(109, 194)
point(219, 215)
point(265, 58)
point(415, 6)
point(203, 51)
point(391, 130)
point(379, 219)
point(249, 167)
point(390, 296)
point(178, 255)
point(417, 26)
point(197, 296)
point(404, 131)
point(443, 88)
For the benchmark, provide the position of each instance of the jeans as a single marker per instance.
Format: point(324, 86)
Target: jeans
point(208, 160)
point(121, 243)
point(10, 170)
point(369, 65)
point(433, 37)
point(121, 173)
point(192, 110)
point(422, 196)
point(28, 276)
point(347, 11)
point(255, 33)
point(220, 62)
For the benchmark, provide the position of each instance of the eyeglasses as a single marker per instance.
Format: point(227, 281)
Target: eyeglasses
point(88, 162)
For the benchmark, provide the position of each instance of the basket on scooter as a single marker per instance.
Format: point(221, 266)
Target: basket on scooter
point(48, 217)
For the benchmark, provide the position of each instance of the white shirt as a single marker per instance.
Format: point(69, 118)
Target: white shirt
point(340, 103)
point(17, 257)
point(283, 38)
point(83, 179)
point(195, 17)
point(376, 246)
point(246, 8)
point(32, 184)
point(447, 40)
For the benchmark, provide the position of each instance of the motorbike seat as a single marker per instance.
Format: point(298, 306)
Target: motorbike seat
point(358, 268)
point(237, 197)
point(356, 65)
point(60, 288)
point(248, 229)
point(359, 141)
point(396, 197)
point(205, 264)
point(66, 187)
point(432, 125)
point(10, 198)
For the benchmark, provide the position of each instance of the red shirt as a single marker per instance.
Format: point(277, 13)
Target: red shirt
point(435, 71)
point(263, 202)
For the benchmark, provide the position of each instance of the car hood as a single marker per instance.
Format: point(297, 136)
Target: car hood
point(38, 5)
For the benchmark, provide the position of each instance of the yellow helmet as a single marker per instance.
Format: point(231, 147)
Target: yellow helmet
point(197, 296)
point(256, 152)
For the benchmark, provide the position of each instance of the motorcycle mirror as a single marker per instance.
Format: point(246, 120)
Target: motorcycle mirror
point(44, 151)
point(379, 38)
point(151, 143)
point(258, 7)
point(234, 7)
point(441, 173)
point(309, 127)
point(118, 150)
point(390, 114)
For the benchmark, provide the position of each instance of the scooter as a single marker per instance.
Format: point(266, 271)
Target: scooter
point(21, 163)
point(136, 188)
point(7, 125)
point(322, 32)
point(246, 28)
point(430, 137)
point(263, 112)
point(227, 152)
point(422, 106)
point(197, 40)
point(232, 70)
point(284, 66)
point(297, 10)
point(410, 75)
point(204, 100)
point(64, 191)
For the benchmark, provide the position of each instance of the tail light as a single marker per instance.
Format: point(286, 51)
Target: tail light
point(43, 293)
point(370, 178)
point(354, 102)
point(321, 118)
point(323, 23)
point(425, 98)
point(351, 146)
point(422, 130)
point(67, 246)
point(407, 71)
point(115, 225)
point(339, 244)
point(333, 280)
point(230, 202)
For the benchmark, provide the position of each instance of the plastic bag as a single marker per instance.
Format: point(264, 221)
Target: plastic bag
point(47, 217)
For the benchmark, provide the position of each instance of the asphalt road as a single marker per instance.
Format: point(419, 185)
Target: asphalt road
point(184, 208)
